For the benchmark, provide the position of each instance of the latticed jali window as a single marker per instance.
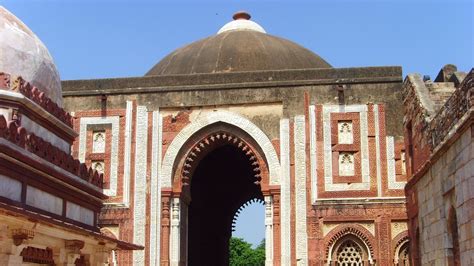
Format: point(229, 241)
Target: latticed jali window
point(349, 254)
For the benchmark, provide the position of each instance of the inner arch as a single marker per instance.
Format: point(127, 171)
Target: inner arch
point(222, 181)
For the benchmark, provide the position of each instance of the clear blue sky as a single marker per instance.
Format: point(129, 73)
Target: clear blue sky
point(99, 39)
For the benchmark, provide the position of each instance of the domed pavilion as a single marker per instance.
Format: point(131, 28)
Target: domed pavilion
point(243, 117)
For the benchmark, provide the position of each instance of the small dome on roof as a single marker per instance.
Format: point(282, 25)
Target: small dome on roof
point(23, 54)
point(240, 45)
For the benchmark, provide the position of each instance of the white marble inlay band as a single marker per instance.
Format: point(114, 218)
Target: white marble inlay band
point(155, 189)
point(377, 150)
point(301, 237)
point(140, 186)
point(328, 174)
point(285, 204)
point(312, 153)
point(392, 181)
point(114, 122)
point(211, 118)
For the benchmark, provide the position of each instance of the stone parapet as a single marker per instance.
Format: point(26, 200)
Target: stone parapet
point(18, 84)
point(36, 145)
point(430, 115)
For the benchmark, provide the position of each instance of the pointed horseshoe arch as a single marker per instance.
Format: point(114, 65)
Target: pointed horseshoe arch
point(234, 119)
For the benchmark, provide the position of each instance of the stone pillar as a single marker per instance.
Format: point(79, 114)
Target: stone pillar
point(268, 231)
point(175, 246)
point(165, 228)
point(383, 235)
point(276, 228)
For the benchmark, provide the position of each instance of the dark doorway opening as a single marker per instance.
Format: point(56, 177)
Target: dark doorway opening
point(223, 180)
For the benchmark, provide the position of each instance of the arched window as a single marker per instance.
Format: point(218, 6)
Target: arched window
point(402, 256)
point(349, 251)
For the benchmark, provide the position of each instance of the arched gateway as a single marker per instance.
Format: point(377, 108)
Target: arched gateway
point(238, 116)
point(219, 167)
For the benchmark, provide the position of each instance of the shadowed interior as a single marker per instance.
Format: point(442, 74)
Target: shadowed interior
point(221, 183)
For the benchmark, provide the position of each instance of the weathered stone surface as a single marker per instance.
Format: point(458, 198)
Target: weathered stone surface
point(441, 167)
point(23, 54)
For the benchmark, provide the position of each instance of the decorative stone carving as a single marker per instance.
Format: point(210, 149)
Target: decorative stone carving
point(208, 143)
point(398, 227)
point(19, 235)
point(74, 246)
point(268, 230)
point(349, 254)
point(39, 97)
point(356, 230)
point(113, 140)
point(214, 117)
point(98, 142)
point(98, 166)
point(346, 164)
point(37, 255)
point(30, 142)
point(345, 135)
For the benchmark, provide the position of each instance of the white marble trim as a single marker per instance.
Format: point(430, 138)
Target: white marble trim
point(391, 174)
point(140, 185)
point(328, 174)
point(127, 153)
point(301, 237)
point(114, 122)
point(312, 153)
point(155, 190)
point(377, 150)
point(227, 117)
point(285, 204)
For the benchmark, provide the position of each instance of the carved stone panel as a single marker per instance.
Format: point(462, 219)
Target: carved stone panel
point(345, 135)
point(98, 142)
point(346, 164)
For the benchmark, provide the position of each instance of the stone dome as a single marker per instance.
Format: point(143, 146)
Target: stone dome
point(240, 45)
point(23, 54)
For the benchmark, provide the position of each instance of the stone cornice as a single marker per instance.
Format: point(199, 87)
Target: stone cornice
point(40, 115)
point(222, 81)
point(30, 145)
point(36, 96)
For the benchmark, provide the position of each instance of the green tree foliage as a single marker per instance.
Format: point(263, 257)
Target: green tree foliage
point(242, 254)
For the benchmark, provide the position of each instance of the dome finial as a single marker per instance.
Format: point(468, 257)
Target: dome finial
point(241, 15)
point(241, 22)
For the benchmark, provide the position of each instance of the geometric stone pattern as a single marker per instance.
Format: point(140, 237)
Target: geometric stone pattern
point(330, 184)
point(392, 182)
point(349, 254)
point(99, 146)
